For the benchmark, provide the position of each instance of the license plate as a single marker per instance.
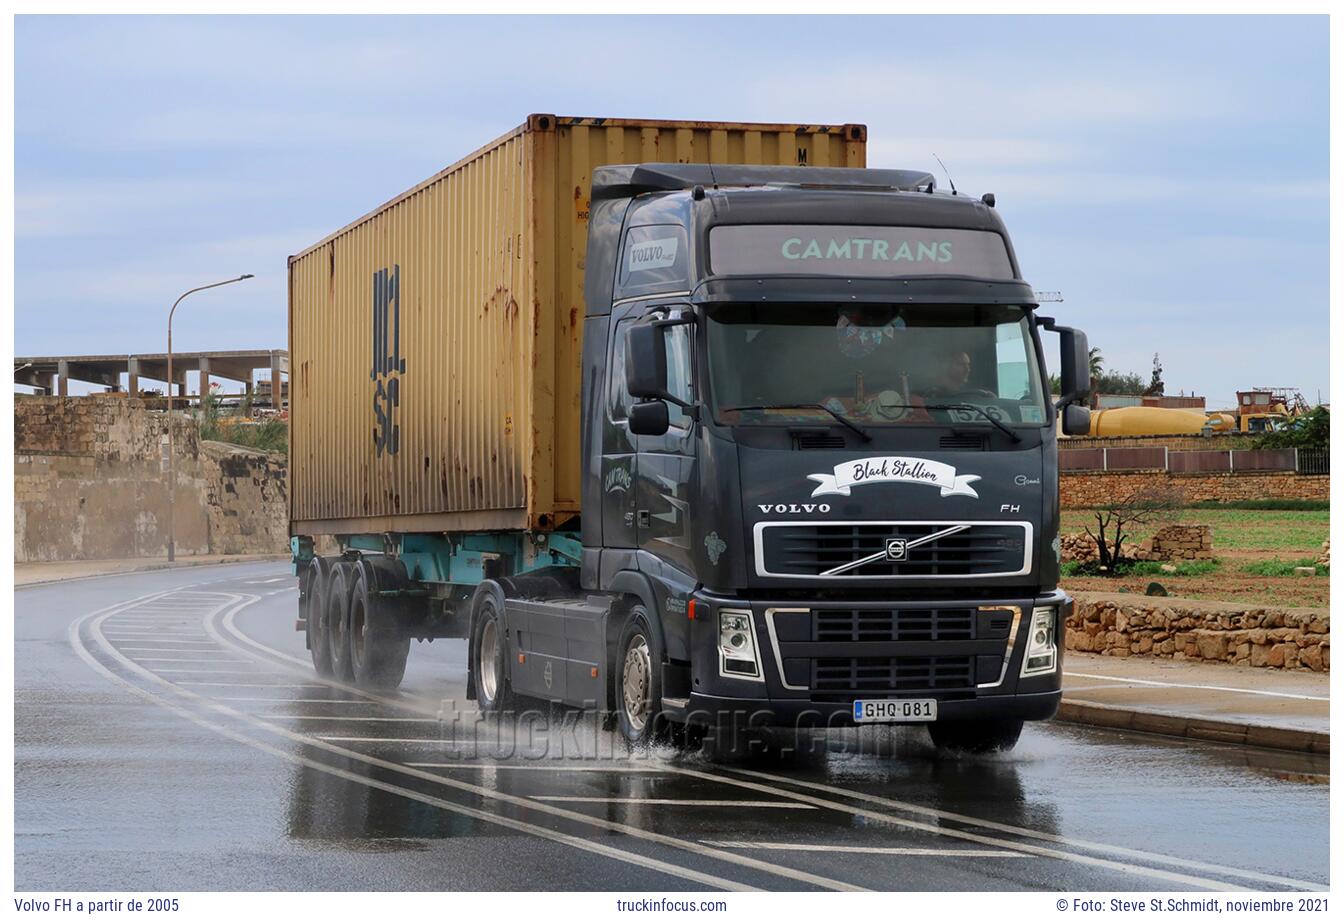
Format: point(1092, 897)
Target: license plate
point(895, 710)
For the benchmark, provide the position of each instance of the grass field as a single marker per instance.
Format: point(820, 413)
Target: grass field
point(1254, 555)
point(1266, 534)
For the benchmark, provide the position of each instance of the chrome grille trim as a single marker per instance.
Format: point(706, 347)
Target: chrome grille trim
point(759, 529)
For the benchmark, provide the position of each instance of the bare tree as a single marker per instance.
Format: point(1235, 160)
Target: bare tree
point(1151, 505)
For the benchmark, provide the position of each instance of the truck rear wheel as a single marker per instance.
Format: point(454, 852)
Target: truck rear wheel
point(338, 621)
point(976, 736)
point(314, 601)
point(378, 647)
point(638, 675)
point(489, 651)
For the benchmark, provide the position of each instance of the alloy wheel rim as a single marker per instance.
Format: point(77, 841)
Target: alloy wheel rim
point(635, 683)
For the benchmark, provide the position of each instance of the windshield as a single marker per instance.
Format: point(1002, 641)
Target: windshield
point(878, 365)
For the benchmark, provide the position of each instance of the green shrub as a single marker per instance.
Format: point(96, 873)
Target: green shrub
point(1280, 568)
point(270, 434)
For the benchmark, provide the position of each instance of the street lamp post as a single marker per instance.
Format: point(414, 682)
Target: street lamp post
point(172, 475)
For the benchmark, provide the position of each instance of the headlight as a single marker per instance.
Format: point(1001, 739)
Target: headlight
point(1042, 650)
point(738, 654)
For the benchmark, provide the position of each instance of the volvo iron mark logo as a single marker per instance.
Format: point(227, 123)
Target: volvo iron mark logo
point(895, 549)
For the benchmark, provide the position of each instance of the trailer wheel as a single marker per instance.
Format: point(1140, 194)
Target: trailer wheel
point(378, 647)
point(489, 651)
point(338, 621)
point(314, 596)
point(639, 682)
point(976, 736)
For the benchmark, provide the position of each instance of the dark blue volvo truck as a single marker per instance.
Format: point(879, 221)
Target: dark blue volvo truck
point(819, 478)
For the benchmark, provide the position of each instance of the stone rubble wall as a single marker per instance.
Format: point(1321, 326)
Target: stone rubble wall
point(1176, 542)
point(1090, 488)
point(1189, 630)
point(88, 484)
point(1173, 543)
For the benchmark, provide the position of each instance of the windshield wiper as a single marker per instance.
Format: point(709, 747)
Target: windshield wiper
point(852, 426)
point(1017, 439)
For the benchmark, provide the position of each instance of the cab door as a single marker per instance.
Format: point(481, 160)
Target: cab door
point(666, 463)
point(618, 446)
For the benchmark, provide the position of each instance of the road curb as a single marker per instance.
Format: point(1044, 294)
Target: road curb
point(156, 567)
point(1273, 737)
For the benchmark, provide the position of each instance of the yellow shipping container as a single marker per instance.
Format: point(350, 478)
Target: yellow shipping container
point(435, 342)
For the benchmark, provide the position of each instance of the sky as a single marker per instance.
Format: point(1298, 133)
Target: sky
point(1168, 175)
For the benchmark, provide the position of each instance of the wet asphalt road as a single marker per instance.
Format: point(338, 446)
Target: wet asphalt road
point(171, 735)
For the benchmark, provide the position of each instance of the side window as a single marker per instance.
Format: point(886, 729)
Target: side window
point(618, 400)
point(678, 339)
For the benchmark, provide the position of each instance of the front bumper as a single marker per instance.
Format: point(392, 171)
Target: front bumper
point(818, 657)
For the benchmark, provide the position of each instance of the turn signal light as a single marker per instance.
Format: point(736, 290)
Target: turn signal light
point(690, 609)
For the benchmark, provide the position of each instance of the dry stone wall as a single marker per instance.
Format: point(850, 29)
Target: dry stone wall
point(1122, 625)
point(88, 484)
point(1090, 489)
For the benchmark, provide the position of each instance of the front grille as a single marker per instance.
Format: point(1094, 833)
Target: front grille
point(816, 549)
point(904, 625)
point(893, 674)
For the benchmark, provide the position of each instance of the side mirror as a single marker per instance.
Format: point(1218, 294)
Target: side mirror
point(1075, 371)
point(1076, 421)
point(649, 418)
point(645, 363)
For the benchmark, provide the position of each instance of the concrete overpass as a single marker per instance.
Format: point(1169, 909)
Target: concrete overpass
point(51, 375)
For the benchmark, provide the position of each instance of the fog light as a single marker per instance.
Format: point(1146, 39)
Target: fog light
point(1042, 652)
point(738, 655)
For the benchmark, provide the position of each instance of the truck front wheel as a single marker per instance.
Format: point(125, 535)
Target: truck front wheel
point(489, 648)
point(975, 736)
point(639, 685)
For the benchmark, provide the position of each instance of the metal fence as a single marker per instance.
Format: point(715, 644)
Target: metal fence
point(1313, 462)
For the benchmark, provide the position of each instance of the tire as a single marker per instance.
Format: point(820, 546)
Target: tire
point(378, 645)
point(338, 621)
point(637, 671)
point(489, 653)
point(976, 736)
point(314, 614)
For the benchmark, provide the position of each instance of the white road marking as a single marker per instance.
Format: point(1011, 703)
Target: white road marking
point(559, 768)
point(879, 851)
point(941, 815)
point(182, 660)
point(566, 814)
point(291, 699)
point(251, 672)
point(198, 683)
point(581, 843)
point(1160, 683)
point(174, 642)
point(707, 803)
point(188, 651)
point(349, 719)
point(269, 581)
point(364, 739)
point(1292, 884)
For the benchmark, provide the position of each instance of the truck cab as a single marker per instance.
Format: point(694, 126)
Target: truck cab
point(819, 454)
